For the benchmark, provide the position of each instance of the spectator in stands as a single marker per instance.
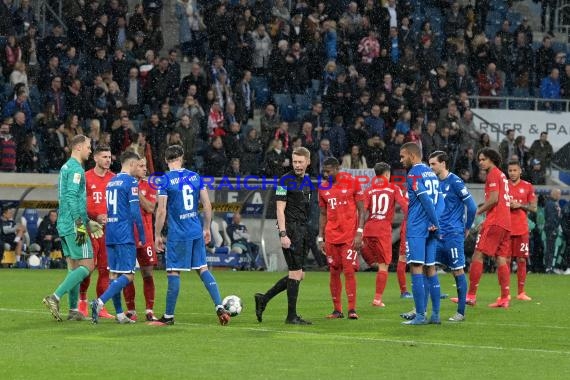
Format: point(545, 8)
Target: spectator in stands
point(261, 50)
point(215, 160)
point(28, 156)
point(537, 173)
point(12, 235)
point(431, 141)
point(544, 58)
point(550, 89)
point(57, 147)
point(393, 151)
point(234, 168)
point(8, 148)
point(523, 63)
point(188, 134)
point(233, 141)
point(374, 150)
point(489, 85)
point(241, 241)
point(19, 103)
point(462, 81)
point(552, 222)
point(541, 150)
point(269, 123)
point(252, 153)
point(244, 98)
point(48, 237)
point(355, 159)
point(468, 163)
point(522, 152)
point(276, 162)
point(507, 146)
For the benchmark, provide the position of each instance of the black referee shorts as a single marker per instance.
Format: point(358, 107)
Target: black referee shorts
point(296, 254)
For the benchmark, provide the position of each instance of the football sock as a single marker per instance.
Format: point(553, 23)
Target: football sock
point(292, 293)
point(521, 275)
point(130, 293)
point(381, 278)
point(114, 287)
point(475, 272)
point(73, 297)
point(461, 283)
point(117, 303)
point(503, 273)
point(280, 286)
point(418, 292)
point(148, 288)
point(426, 293)
point(335, 285)
point(83, 288)
point(401, 271)
point(73, 278)
point(350, 287)
point(212, 287)
point(172, 294)
point(102, 281)
point(435, 293)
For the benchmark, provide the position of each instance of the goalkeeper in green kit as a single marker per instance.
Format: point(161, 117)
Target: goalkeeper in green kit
point(73, 226)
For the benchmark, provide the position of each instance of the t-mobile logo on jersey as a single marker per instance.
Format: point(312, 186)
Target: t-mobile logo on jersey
point(97, 196)
point(332, 201)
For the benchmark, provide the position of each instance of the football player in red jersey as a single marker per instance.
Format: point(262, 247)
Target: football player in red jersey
point(380, 201)
point(341, 204)
point(494, 237)
point(523, 200)
point(96, 181)
point(401, 267)
point(146, 255)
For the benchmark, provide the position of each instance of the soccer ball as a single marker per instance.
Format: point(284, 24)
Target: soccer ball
point(232, 304)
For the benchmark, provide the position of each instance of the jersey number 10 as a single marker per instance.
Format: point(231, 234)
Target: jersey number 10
point(380, 204)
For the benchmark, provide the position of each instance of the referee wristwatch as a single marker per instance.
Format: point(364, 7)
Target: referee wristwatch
point(282, 233)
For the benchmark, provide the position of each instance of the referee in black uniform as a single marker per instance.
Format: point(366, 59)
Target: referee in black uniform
point(293, 198)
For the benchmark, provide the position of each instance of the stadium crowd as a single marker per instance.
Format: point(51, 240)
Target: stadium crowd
point(353, 80)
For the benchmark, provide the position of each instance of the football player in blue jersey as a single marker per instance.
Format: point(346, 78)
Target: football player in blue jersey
point(454, 226)
point(421, 238)
point(179, 197)
point(123, 213)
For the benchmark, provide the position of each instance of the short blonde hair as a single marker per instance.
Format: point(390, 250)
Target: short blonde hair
point(302, 151)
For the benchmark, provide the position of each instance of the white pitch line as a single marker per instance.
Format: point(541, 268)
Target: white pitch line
point(384, 340)
point(369, 339)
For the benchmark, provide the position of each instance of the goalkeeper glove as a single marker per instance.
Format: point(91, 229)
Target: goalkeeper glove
point(95, 228)
point(80, 234)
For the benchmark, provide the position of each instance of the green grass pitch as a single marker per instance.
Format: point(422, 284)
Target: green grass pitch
point(528, 341)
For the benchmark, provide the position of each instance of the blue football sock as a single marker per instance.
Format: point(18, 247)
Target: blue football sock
point(419, 293)
point(210, 284)
point(426, 293)
point(114, 287)
point(461, 283)
point(435, 293)
point(117, 303)
point(172, 294)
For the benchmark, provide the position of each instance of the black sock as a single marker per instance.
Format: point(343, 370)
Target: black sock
point(292, 293)
point(279, 286)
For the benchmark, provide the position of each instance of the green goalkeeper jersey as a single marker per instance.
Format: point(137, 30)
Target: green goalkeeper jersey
point(72, 197)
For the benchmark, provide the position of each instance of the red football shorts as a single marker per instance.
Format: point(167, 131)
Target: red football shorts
point(494, 241)
point(99, 252)
point(519, 246)
point(146, 256)
point(341, 255)
point(377, 250)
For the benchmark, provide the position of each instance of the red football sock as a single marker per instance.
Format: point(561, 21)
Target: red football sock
point(521, 275)
point(148, 287)
point(401, 271)
point(350, 285)
point(336, 288)
point(83, 288)
point(475, 272)
point(102, 281)
point(381, 278)
point(504, 280)
point(129, 293)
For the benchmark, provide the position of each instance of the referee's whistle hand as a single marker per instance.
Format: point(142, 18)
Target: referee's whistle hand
point(285, 242)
